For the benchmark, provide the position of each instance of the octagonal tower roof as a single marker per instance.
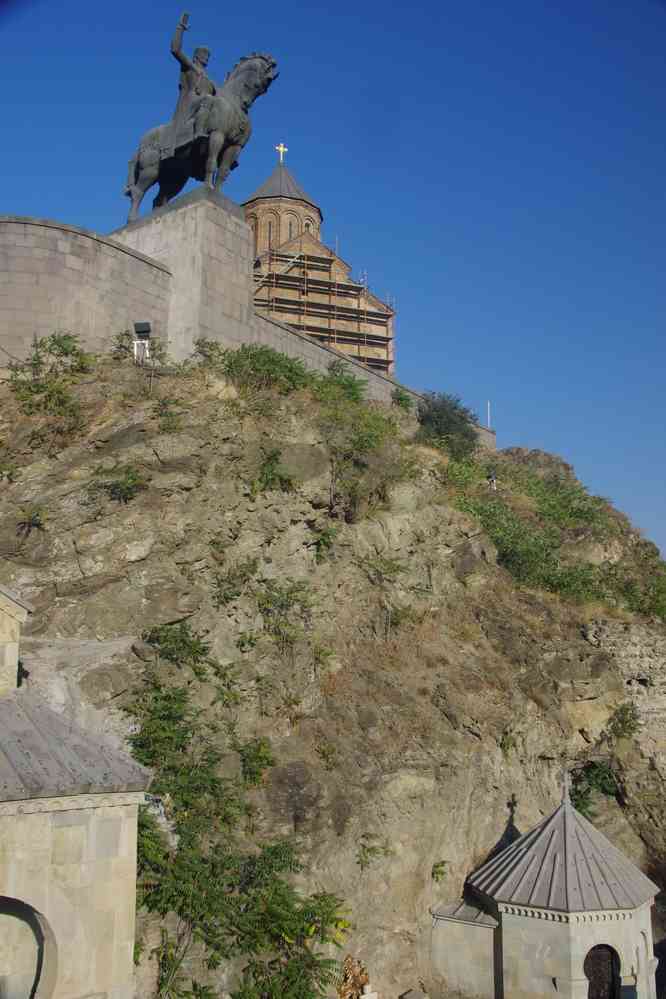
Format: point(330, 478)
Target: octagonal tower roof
point(281, 184)
point(564, 864)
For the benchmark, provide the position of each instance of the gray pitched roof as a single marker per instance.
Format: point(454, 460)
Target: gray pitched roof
point(42, 755)
point(565, 864)
point(464, 912)
point(11, 595)
point(281, 184)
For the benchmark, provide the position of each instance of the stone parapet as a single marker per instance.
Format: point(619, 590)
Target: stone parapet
point(186, 268)
point(57, 277)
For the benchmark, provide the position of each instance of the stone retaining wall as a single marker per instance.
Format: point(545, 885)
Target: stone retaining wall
point(185, 268)
point(56, 277)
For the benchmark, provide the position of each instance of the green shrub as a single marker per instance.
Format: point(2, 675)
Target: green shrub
point(438, 872)
point(256, 757)
point(42, 384)
point(179, 644)
point(366, 456)
point(381, 568)
point(624, 722)
point(9, 471)
point(231, 584)
point(208, 353)
point(246, 641)
point(257, 367)
point(464, 473)
point(327, 753)
point(593, 777)
point(128, 484)
point(122, 346)
point(284, 607)
point(531, 554)
point(169, 414)
point(271, 476)
point(340, 384)
point(445, 422)
point(402, 399)
point(323, 543)
point(371, 848)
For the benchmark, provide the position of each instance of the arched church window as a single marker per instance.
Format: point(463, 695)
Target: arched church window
point(308, 226)
point(255, 235)
point(270, 234)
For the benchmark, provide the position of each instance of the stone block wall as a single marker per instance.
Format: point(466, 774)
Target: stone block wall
point(204, 241)
point(11, 618)
point(185, 268)
point(68, 875)
point(56, 277)
point(463, 958)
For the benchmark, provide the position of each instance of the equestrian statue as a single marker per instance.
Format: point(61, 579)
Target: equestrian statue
point(209, 128)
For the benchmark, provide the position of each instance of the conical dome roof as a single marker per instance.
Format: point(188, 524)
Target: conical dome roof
point(281, 184)
point(565, 864)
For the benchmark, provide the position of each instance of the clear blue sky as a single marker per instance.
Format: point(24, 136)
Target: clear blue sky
point(500, 169)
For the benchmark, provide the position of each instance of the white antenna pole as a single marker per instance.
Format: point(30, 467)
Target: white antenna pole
point(489, 414)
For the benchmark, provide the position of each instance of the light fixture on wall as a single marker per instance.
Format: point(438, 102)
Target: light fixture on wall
point(141, 342)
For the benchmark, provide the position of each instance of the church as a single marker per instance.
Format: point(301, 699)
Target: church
point(302, 283)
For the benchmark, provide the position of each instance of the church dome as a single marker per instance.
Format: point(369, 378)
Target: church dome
point(564, 864)
point(282, 184)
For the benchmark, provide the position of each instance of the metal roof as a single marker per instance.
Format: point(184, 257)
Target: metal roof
point(281, 184)
point(565, 864)
point(464, 912)
point(11, 595)
point(43, 755)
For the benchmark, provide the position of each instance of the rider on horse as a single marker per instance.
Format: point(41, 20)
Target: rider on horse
point(194, 88)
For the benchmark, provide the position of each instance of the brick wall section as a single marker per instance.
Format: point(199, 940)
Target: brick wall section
point(59, 277)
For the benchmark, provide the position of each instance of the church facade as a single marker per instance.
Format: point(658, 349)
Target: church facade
point(303, 284)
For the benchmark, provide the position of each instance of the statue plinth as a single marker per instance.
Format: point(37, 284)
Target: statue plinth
point(206, 244)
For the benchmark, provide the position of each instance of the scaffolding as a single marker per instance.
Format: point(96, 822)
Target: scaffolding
point(302, 291)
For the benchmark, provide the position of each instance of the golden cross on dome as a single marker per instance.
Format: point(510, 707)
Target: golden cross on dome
point(282, 149)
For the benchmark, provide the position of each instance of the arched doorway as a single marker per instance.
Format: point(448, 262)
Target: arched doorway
point(602, 969)
point(27, 952)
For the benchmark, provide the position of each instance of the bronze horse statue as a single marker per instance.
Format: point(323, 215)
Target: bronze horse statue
point(219, 127)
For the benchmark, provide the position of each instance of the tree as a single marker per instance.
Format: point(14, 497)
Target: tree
point(447, 423)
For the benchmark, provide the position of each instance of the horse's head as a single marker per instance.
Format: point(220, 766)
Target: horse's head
point(252, 76)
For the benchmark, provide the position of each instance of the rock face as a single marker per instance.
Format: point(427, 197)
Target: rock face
point(423, 688)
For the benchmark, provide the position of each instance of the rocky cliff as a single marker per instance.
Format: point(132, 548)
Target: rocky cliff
point(372, 607)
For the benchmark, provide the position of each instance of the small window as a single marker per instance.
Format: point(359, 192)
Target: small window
point(291, 228)
point(270, 233)
point(307, 226)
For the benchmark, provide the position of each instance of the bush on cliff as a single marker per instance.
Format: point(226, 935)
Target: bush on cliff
point(445, 422)
point(539, 519)
point(254, 366)
point(42, 384)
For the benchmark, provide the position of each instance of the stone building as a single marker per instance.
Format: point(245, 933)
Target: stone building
point(304, 284)
point(68, 834)
point(559, 912)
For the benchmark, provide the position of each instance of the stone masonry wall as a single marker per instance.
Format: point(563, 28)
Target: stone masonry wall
point(73, 862)
point(186, 269)
point(56, 277)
